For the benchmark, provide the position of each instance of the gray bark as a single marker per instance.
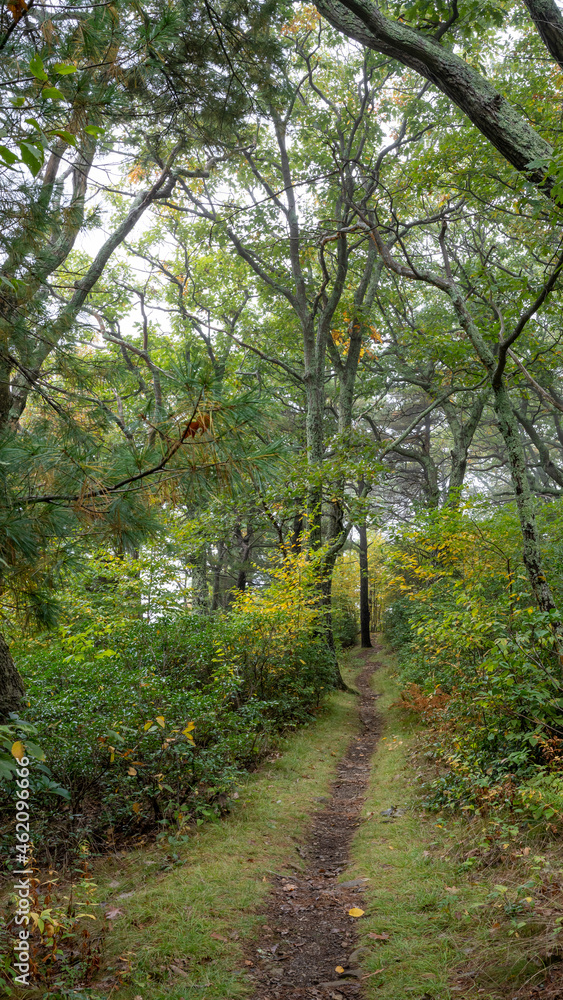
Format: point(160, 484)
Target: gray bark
point(549, 24)
point(11, 684)
point(508, 131)
point(462, 433)
point(365, 637)
point(546, 461)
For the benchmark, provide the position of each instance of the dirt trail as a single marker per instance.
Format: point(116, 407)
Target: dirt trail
point(307, 931)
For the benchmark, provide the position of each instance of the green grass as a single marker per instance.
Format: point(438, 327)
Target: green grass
point(222, 878)
point(187, 911)
point(443, 919)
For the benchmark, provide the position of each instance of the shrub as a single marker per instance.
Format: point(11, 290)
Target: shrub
point(344, 621)
point(479, 662)
point(152, 723)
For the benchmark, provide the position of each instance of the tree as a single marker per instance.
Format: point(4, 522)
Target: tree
point(428, 49)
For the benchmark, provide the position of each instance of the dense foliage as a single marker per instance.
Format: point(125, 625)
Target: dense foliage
point(148, 725)
point(280, 342)
point(479, 661)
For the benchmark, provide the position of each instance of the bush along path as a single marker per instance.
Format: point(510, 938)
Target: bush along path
point(308, 943)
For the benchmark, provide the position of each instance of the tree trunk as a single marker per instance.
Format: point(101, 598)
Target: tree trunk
point(315, 453)
point(217, 577)
point(502, 124)
point(200, 598)
point(11, 684)
point(525, 502)
point(365, 638)
point(245, 547)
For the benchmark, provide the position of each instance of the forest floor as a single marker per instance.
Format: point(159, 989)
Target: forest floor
point(258, 904)
point(308, 947)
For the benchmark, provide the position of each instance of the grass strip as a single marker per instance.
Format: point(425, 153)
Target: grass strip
point(182, 930)
point(450, 927)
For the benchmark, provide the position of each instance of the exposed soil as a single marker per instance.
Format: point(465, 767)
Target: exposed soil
point(307, 931)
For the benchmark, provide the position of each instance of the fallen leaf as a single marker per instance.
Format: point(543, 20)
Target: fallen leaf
point(113, 913)
point(356, 912)
point(428, 975)
point(378, 937)
point(218, 937)
point(18, 750)
point(248, 962)
point(131, 770)
point(136, 807)
point(451, 888)
point(339, 968)
point(289, 888)
point(160, 720)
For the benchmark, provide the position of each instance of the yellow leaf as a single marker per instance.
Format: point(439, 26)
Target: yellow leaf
point(355, 912)
point(131, 770)
point(189, 727)
point(160, 720)
point(136, 807)
point(18, 750)
point(339, 968)
point(147, 725)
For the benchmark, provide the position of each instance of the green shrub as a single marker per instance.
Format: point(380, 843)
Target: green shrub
point(148, 724)
point(344, 621)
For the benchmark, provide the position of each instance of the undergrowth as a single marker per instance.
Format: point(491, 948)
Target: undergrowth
point(144, 727)
point(480, 663)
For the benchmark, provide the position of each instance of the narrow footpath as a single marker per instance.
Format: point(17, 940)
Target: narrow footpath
point(308, 933)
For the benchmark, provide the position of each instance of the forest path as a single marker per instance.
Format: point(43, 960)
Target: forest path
point(307, 931)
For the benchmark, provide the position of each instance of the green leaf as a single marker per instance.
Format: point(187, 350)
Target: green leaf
point(17, 102)
point(52, 94)
point(35, 750)
point(94, 130)
point(7, 768)
point(67, 136)
point(64, 68)
point(36, 67)
point(7, 155)
point(32, 156)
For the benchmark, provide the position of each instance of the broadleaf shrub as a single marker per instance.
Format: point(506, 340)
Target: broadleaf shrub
point(152, 723)
point(479, 662)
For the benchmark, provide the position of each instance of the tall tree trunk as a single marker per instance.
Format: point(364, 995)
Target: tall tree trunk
point(217, 577)
point(11, 684)
point(245, 546)
point(200, 598)
point(525, 501)
point(365, 637)
point(315, 453)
